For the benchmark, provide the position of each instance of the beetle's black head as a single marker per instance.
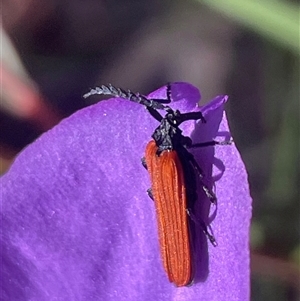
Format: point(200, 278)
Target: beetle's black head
point(168, 135)
point(173, 117)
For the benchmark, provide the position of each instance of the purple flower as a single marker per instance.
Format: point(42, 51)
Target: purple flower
point(77, 224)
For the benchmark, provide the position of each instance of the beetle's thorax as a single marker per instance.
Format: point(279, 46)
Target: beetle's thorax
point(168, 135)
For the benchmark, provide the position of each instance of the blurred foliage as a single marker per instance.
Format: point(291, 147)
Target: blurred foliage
point(275, 227)
point(278, 20)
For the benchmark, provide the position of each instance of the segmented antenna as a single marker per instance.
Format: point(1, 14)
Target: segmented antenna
point(135, 97)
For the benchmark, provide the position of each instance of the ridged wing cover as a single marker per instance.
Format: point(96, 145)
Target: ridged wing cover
point(169, 193)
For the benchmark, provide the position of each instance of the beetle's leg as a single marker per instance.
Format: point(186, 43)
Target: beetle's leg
point(203, 226)
point(143, 160)
point(209, 193)
point(191, 116)
point(188, 143)
point(211, 143)
point(165, 100)
point(150, 194)
point(209, 236)
point(149, 190)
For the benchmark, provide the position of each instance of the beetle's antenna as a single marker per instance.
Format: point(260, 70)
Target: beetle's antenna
point(135, 97)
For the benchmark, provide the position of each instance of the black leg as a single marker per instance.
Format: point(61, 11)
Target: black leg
point(191, 116)
point(164, 100)
point(209, 236)
point(150, 194)
point(203, 226)
point(211, 143)
point(143, 160)
point(209, 193)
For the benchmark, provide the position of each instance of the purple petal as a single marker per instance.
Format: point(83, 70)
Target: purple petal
point(183, 94)
point(77, 224)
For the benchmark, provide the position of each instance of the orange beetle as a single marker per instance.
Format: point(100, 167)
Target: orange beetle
point(173, 174)
point(169, 194)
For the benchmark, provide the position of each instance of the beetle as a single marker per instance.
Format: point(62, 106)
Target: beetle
point(174, 173)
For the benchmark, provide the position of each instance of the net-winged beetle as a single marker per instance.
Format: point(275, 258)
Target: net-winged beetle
point(174, 173)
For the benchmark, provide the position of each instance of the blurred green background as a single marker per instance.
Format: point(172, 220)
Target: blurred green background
point(54, 51)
